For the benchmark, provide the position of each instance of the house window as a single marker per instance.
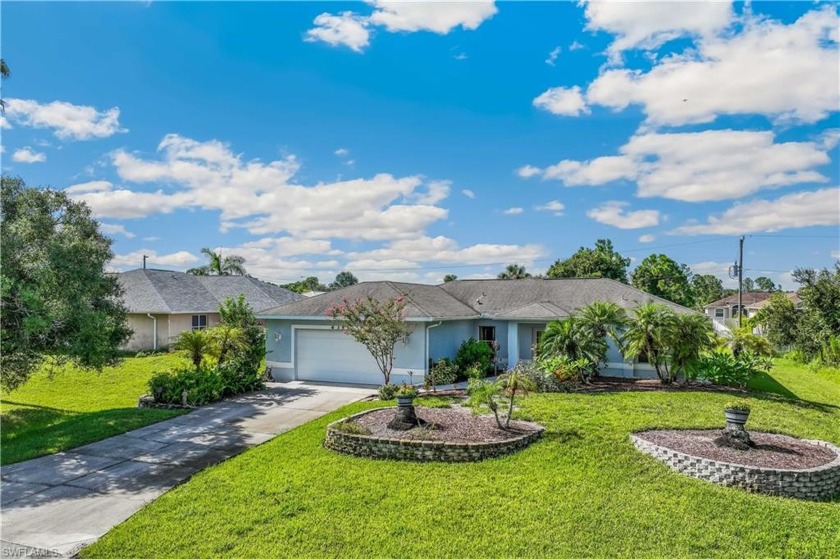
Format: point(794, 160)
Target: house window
point(487, 333)
point(199, 321)
point(720, 313)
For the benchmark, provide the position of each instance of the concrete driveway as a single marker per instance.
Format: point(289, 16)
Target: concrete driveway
point(54, 505)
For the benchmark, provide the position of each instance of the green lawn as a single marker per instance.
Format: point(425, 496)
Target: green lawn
point(581, 491)
point(75, 407)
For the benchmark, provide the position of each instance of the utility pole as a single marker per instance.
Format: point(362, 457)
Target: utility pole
point(740, 281)
point(144, 261)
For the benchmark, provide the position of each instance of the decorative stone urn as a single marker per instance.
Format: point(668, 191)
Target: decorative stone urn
point(736, 419)
point(405, 401)
point(735, 436)
point(406, 417)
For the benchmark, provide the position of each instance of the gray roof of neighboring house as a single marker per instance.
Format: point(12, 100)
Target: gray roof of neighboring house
point(166, 292)
point(422, 301)
point(525, 299)
point(751, 299)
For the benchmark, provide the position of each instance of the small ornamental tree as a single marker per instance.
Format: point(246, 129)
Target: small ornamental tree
point(378, 325)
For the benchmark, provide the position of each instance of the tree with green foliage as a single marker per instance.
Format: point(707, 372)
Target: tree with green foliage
point(248, 358)
point(707, 289)
point(763, 283)
point(574, 339)
point(57, 299)
point(343, 279)
point(306, 285)
point(748, 284)
point(512, 382)
point(514, 271)
point(377, 325)
point(195, 345)
point(599, 262)
point(779, 319)
point(218, 265)
point(663, 277)
point(449, 277)
point(4, 73)
point(604, 319)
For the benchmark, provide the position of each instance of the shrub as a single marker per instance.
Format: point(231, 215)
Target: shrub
point(721, 367)
point(202, 386)
point(442, 372)
point(351, 428)
point(484, 393)
point(745, 340)
point(476, 372)
point(566, 369)
point(543, 379)
point(237, 378)
point(387, 391)
point(474, 353)
point(737, 405)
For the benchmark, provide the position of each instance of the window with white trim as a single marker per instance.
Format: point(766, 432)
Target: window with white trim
point(199, 321)
point(720, 313)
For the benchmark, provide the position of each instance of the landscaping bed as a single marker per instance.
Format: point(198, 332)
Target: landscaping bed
point(771, 450)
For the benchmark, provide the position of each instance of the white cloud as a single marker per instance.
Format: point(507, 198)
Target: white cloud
point(437, 16)
point(353, 30)
point(461, 56)
point(554, 206)
point(614, 213)
point(342, 152)
point(835, 254)
point(552, 56)
point(406, 253)
point(92, 186)
point(700, 166)
point(801, 209)
point(115, 229)
point(27, 155)
point(576, 46)
point(648, 25)
point(131, 260)
point(468, 193)
point(718, 269)
point(528, 171)
point(4, 123)
point(567, 101)
point(647, 238)
point(513, 211)
point(346, 28)
point(262, 198)
point(787, 72)
point(68, 121)
point(151, 239)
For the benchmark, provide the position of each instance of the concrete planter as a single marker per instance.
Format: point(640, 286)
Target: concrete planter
point(736, 419)
point(405, 401)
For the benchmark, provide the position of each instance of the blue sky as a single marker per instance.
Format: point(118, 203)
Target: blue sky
point(407, 141)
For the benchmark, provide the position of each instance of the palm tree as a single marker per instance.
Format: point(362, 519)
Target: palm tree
point(572, 339)
point(514, 271)
point(4, 73)
point(650, 334)
point(693, 335)
point(604, 318)
point(513, 381)
point(217, 266)
point(224, 339)
point(195, 344)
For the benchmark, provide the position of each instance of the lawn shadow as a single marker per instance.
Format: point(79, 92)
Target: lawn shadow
point(561, 436)
point(765, 382)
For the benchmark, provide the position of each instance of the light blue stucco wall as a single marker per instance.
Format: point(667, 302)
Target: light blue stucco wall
point(445, 339)
point(527, 338)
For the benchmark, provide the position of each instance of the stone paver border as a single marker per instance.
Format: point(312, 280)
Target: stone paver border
point(813, 484)
point(368, 446)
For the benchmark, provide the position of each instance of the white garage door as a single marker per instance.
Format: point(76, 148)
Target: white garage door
point(333, 356)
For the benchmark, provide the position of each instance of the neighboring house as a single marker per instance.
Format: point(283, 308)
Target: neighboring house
point(725, 311)
point(161, 303)
point(304, 344)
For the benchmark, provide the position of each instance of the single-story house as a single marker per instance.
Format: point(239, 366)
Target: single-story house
point(752, 301)
point(303, 343)
point(162, 303)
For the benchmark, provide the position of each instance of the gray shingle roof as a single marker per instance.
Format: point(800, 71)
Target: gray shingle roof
point(166, 292)
point(535, 299)
point(422, 301)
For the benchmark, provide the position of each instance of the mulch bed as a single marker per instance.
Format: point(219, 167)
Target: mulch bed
point(455, 424)
point(605, 384)
point(771, 451)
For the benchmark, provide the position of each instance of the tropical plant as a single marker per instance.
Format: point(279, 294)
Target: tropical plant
point(57, 300)
point(512, 382)
point(744, 340)
point(406, 391)
point(4, 73)
point(650, 334)
point(226, 339)
point(378, 325)
point(722, 368)
point(449, 277)
point(238, 313)
point(692, 335)
point(195, 345)
point(387, 391)
point(514, 271)
point(483, 393)
point(599, 262)
point(565, 369)
point(232, 265)
point(193, 387)
point(737, 405)
point(574, 339)
point(474, 353)
point(604, 319)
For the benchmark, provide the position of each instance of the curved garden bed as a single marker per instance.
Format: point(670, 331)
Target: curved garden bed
point(778, 465)
point(450, 435)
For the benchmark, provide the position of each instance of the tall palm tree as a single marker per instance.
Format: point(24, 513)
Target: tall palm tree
point(4, 73)
point(232, 265)
point(693, 335)
point(514, 271)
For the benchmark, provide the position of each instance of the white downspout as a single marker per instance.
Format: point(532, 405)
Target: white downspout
point(427, 343)
point(154, 331)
